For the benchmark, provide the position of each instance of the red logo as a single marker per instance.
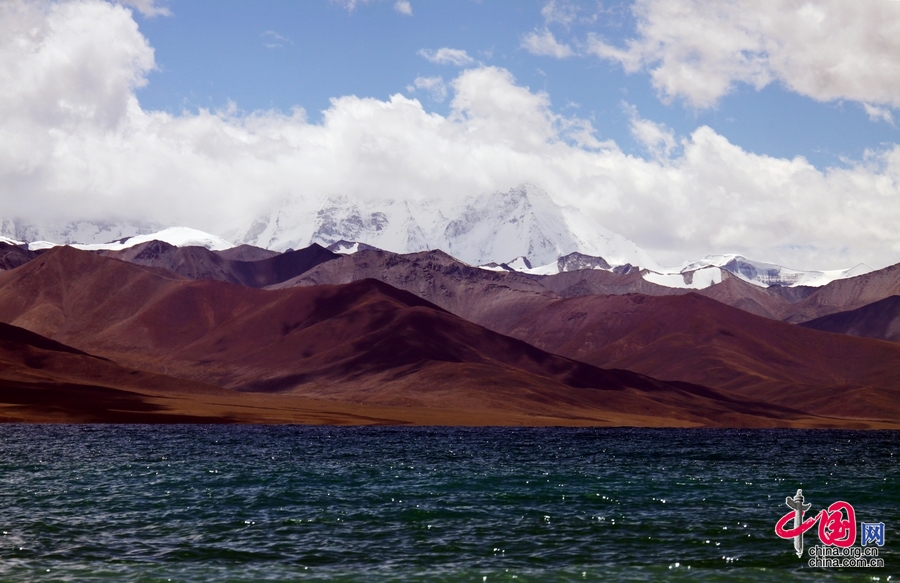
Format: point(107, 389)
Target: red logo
point(837, 525)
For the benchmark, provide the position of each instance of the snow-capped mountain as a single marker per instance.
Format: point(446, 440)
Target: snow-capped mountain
point(521, 222)
point(83, 232)
point(521, 229)
point(693, 275)
point(389, 225)
point(766, 274)
point(177, 236)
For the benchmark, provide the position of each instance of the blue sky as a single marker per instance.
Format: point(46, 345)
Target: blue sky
point(692, 128)
point(285, 54)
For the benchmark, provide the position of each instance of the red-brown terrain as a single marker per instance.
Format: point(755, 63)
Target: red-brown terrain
point(879, 320)
point(44, 379)
point(245, 265)
point(364, 343)
point(847, 294)
point(694, 339)
point(551, 350)
point(468, 291)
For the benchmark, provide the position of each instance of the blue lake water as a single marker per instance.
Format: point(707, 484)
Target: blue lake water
point(249, 503)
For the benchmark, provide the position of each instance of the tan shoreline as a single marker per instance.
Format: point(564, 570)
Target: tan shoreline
point(268, 409)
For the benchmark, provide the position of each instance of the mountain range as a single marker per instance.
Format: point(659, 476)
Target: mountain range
point(522, 229)
point(500, 309)
point(155, 332)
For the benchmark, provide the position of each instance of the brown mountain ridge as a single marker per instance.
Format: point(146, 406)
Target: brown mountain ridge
point(362, 343)
point(879, 320)
point(370, 344)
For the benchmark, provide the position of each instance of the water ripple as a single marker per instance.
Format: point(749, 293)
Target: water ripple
point(238, 503)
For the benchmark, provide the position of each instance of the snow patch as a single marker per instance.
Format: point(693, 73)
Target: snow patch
point(177, 236)
point(41, 245)
point(493, 267)
point(9, 241)
point(697, 279)
point(349, 247)
point(549, 269)
point(344, 249)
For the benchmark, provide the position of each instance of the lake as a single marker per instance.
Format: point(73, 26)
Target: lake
point(285, 503)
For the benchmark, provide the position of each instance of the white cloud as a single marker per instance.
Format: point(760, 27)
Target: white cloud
point(403, 7)
point(447, 56)
point(824, 49)
point(564, 13)
point(656, 138)
point(70, 64)
point(433, 85)
point(349, 5)
point(147, 7)
point(876, 113)
point(545, 44)
point(75, 144)
point(273, 40)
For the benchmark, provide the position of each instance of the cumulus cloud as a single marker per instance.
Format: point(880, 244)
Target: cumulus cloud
point(824, 49)
point(656, 138)
point(543, 43)
point(75, 144)
point(447, 56)
point(403, 7)
point(433, 85)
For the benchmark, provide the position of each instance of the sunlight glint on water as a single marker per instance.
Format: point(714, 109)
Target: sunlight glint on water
point(242, 503)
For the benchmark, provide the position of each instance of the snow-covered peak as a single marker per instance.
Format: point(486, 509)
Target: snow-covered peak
point(482, 229)
point(766, 274)
point(486, 229)
point(525, 221)
point(68, 232)
point(692, 275)
point(177, 236)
